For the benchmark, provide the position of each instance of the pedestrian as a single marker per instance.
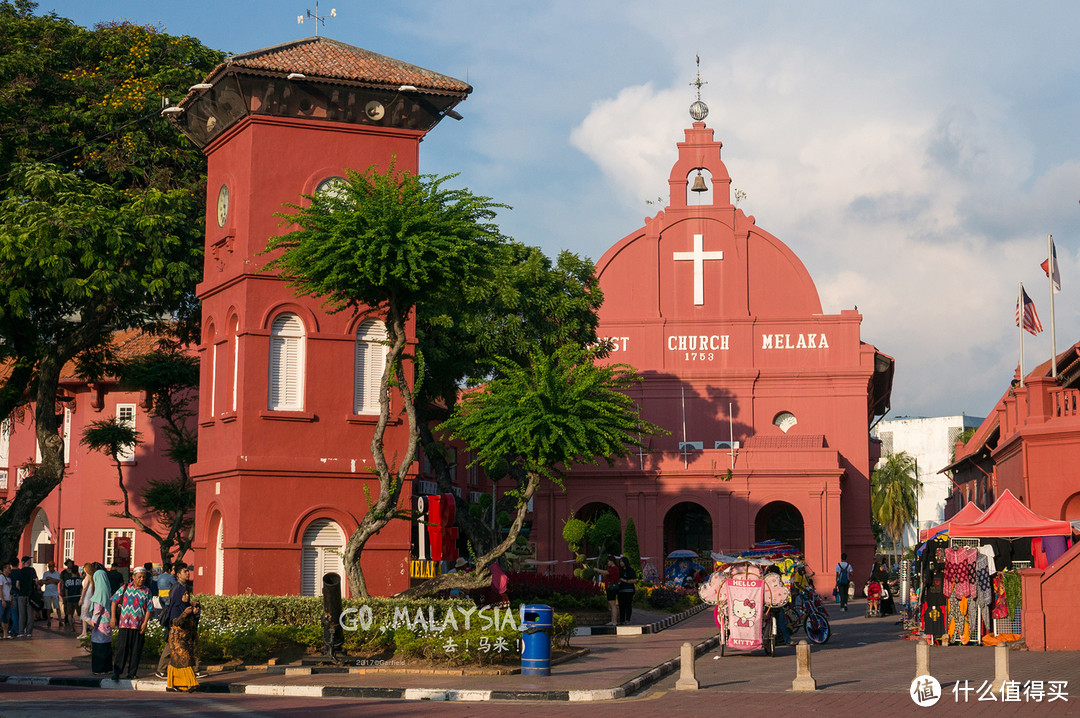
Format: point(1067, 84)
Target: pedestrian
point(50, 593)
point(130, 614)
point(6, 603)
point(844, 574)
point(101, 649)
point(611, 588)
point(23, 583)
point(182, 633)
point(71, 587)
point(86, 612)
point(627, 579)
point(116, 578)
point(171, 607)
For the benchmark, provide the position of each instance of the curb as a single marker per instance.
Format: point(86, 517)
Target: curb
point(654, 627)
point(409, 694)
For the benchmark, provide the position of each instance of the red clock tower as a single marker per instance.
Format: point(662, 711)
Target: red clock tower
point(287, 408)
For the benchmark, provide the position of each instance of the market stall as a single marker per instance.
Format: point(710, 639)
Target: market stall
point(970, 585)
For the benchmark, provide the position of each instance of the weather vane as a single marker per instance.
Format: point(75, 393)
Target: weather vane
point(699, 110)
point(319, 19)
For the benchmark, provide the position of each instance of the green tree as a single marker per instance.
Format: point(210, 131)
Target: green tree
point(382, 244)
point(100, 229)
point(170, 379)
point(605, 535)
point(630, 545)
point(524, 300)
point(894, 496)
point(559, 410)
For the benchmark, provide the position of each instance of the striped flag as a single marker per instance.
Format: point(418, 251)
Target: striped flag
point(1031, 317)
point(1050, 266)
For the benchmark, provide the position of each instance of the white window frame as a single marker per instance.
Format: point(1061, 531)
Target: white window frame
point(321, 555)
point(20, 475)
point(368, 366)
point(69, 545)
point(213, 380)
point(67, 434)
point(3, 479)
point(287, 344)
point(235, 364)
point(127, 454)
point(110, 544)
point(5, 442)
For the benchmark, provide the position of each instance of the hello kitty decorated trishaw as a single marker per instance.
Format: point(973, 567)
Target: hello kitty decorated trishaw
point(750, 598)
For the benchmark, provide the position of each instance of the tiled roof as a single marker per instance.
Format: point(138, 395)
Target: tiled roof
point(322, 57)
point(128, 343)
point(786, 441)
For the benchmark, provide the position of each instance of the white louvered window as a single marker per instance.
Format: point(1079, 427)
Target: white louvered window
point(323, 549)
point(371, 352)
point(286, 363)
point(125, 414)
point(69, 544)
point(3, 480)
point(67, 435)
point(5, 442)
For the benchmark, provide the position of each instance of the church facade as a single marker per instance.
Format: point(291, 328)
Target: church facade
point(768, 400)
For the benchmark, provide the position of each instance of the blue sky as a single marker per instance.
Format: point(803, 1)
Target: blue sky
point(914, 155)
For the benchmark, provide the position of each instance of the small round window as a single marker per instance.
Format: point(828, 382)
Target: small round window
point(784, 421)
point(332, 187)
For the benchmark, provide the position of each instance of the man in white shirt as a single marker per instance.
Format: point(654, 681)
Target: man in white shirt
point(50, 590)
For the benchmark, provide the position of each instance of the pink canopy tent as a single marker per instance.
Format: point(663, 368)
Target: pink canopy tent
point(1008, 518)
point(966, 515)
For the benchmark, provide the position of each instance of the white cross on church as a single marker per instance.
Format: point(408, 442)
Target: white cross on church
point(698, 256)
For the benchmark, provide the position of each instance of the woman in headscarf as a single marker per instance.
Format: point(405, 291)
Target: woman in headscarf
point(101, 655)
point(181, 675)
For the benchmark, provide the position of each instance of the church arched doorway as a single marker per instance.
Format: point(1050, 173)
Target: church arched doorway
point(323, 553)
point(688, 527)
point(781, 521)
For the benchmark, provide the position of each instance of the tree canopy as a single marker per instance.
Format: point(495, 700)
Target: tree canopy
point(894, 495)
point(101, 208)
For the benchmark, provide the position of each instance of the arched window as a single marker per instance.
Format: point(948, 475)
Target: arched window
point(287, 363)
point(324, 545)
point(370, 363)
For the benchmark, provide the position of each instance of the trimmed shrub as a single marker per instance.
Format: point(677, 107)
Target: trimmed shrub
point(630, 545)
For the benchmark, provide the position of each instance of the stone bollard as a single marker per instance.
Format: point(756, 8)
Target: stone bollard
point(804, 681)
point(687, 681)
point(1001, 667)
point(922, 659)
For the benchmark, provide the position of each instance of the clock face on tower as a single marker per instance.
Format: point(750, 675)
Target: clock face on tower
point(222, 205)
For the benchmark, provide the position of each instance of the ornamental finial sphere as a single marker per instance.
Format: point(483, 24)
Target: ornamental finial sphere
point(699, 110)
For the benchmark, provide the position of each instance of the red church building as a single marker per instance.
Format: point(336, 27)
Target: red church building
point(767, 399)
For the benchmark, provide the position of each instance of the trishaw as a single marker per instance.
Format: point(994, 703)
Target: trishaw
point(751, 596)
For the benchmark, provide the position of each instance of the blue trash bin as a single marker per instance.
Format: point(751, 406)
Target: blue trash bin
point(537, 626)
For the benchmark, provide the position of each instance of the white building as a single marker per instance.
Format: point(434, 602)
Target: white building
point(930, 441)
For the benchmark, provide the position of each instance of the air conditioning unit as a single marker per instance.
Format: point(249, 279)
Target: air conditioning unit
point(691, 445)
point(727, 445)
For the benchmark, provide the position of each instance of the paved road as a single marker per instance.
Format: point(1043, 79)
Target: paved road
point(85, 703)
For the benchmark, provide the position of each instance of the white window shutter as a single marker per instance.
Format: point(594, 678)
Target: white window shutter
point(323, 546)
point(286, 363)
point(370, 364)
point(125, 414)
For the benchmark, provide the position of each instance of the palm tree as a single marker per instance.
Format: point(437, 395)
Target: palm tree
point(894, 492)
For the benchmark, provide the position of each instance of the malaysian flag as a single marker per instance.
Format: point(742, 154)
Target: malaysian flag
point(1031, 317)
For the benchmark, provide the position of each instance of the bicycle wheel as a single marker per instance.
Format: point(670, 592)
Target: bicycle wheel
point(817, 628)
point(768, 637)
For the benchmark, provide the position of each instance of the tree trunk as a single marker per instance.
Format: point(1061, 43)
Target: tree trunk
point(385, 508)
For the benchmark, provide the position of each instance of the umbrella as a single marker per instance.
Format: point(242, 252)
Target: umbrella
point(683, 553)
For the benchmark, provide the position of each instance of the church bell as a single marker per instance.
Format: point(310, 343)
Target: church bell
point(699, 184)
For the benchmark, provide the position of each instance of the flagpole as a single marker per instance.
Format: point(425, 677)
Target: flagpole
point(1051, 264)
point(1020, 325)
